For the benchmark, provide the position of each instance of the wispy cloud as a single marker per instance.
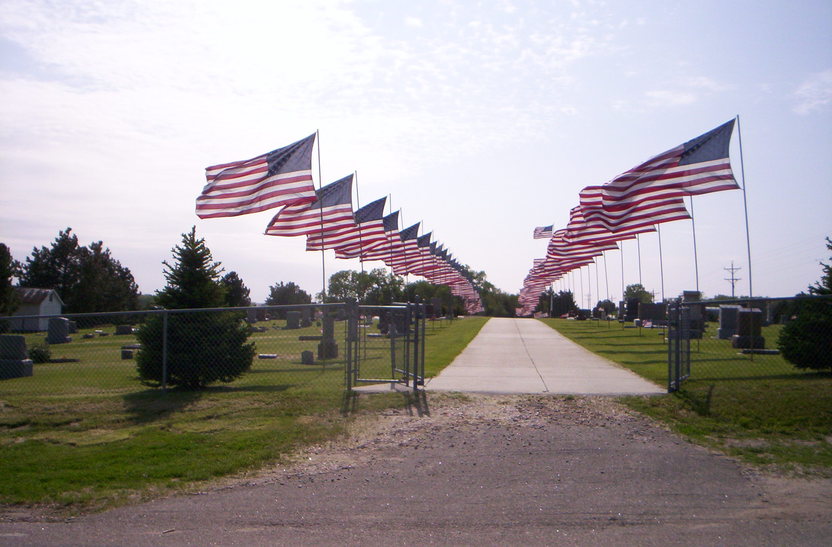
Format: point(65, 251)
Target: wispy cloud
point(814, 94)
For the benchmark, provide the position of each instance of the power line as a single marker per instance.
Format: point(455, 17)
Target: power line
point(732, 279)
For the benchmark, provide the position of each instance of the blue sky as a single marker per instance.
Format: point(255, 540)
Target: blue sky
point(481, 119)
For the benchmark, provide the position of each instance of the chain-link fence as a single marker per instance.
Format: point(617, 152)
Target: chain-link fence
point(746, 339)
point(272, 348)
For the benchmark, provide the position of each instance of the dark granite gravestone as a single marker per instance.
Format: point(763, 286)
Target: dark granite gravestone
point(727, 321)
point(632, 309)
point(58, 332)
point(657, 313)
point(749, 329)
point(436, 302)
point(307, 358)
point(305, 317)
point(251, 316)
point(14, 359)
point(126, 353)
point(124, 329)
point(328, 348)
point(293, 319)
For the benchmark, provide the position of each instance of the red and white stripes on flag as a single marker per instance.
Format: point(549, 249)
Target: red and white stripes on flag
point(652, 192)
point(366, 231)
point(332, 210)
point(281, 177)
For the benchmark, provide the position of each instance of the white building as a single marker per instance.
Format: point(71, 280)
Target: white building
point(36, 302)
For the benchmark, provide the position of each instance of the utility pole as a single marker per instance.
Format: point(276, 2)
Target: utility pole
point(732, 279)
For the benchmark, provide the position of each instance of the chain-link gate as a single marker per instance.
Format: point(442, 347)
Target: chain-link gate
point(386, 344)
point(678, 346)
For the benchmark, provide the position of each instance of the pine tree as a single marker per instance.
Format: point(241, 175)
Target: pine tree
point(236, 292)
point(202, 348)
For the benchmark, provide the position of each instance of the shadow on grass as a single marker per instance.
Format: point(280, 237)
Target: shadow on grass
point(149, 405)
point(414, 403)
point(796, 376)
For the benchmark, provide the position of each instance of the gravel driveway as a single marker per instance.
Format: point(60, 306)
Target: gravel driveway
point(477, 469)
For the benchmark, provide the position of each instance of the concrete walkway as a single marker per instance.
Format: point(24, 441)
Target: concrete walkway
point(527, 356)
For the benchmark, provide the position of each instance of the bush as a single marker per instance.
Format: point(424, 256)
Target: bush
point(203, 348)
point(806, 341)
point(40, 353)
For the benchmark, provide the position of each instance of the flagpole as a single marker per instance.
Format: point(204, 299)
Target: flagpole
point(357, 207)
point(606, 275)
point(621, 251)
point(320, 185)
point(745, 207)
point(638, 248)
point(695, 255)
point(661, 262)
point(597, 283)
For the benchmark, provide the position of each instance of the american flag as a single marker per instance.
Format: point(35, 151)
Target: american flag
point(278, 178)
point(579, 231)
point(543, 232)
point(406, 252)
point(656, 208)
point(367, 230)
point(655, 187)
point(384, 251)
point(332, 210)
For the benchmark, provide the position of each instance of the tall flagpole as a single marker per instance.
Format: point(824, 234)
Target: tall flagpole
point(695, 255)
point(321, 185)
point(606, 275)
point(638, 248)
point(745, 207)
point(621, 251)
point(597, 283)
point(358, 206)
point(661, 262)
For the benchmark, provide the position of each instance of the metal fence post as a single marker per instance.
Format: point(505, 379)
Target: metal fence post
point(164, 350)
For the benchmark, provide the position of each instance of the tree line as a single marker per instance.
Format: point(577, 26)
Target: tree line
point(90, 279)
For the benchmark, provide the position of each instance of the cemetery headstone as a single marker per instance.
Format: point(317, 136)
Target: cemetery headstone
point(126, 353)
point(305, 317)
point(307, 357)
point(251, 316)
point(728, 317)
point(293, 319)
point(73, 327)
point(655, 313)
point(124, 329)
point(749, 329)
point(14, 360)
point(632, 309)
point(58, 332)
point(328, 348)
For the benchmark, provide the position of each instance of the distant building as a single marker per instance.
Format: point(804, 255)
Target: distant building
point(36, 302)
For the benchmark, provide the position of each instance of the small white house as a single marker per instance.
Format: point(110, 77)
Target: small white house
point(36, 302)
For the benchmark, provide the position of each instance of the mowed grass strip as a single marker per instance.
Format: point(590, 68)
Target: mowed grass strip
point(762, 410)
point(88, 435)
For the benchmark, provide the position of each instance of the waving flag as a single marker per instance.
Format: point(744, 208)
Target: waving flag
point(367, 230)
point(543, 232)
point(278, 178)
point(384, 251)
point(331, 210)
point(651, 193)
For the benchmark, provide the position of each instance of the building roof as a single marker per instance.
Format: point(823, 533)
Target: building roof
point(29, 295)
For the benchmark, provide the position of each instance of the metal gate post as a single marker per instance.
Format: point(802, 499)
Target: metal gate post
point(164, 350)
point(351, 365)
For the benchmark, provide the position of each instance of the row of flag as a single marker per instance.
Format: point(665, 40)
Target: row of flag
point(283, 178)
point(632, 203)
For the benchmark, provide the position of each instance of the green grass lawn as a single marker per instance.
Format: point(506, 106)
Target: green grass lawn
point(762, 410)
point(85, 433)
